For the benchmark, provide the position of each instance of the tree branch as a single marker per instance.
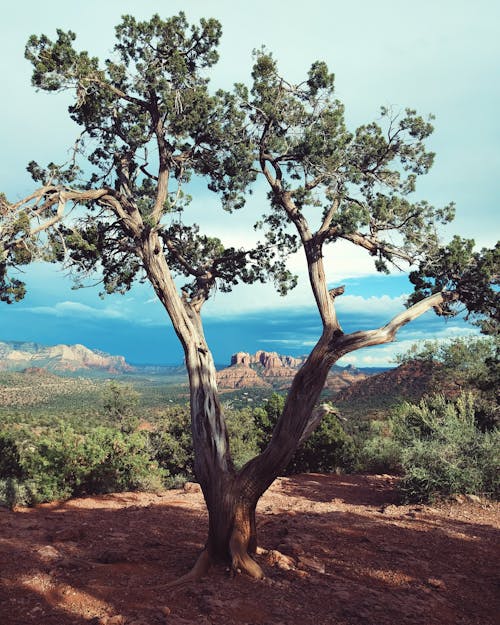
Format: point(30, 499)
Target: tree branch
point(386, 334)
point(373, 246)
point(163, 169)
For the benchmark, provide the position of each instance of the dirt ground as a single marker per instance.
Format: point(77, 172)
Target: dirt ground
point(336, 550)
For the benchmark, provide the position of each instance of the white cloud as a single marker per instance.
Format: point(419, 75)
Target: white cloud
point(383, 306)
point(75, 309)
point(290, 343)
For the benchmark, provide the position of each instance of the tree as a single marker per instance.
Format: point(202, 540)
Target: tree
point(150, 123)
point(119, 403)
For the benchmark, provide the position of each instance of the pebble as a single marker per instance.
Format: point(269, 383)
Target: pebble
point(311, 563)
point(191, 487)
point(47, 553)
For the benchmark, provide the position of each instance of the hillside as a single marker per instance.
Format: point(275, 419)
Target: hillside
point(17, 356)
point(336, 550)
point(408, 382)
point(35, 387)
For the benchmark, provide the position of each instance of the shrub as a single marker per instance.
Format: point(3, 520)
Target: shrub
point(328, 449)
point(379, 451)
point(119, 404)
point(14, 492)
point(243, 435)
point(443, 451)
point(63, 463)
point(171, 444)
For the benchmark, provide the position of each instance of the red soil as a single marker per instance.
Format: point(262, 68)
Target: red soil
point(337, 551)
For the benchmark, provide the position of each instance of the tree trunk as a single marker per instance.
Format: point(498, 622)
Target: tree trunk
point(230, 501)
point(232, 497)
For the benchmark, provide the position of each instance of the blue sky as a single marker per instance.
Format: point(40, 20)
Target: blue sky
point(438, 57)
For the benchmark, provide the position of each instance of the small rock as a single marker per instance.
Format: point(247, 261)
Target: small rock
point(192, 487)
point(165, 610)
point(473, 498)
point(48, 553)
point(436, 583)
point(311, 563)
point(276, 558)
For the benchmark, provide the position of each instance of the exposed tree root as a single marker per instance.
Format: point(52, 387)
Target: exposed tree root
point(241, 562)
point(199, 570)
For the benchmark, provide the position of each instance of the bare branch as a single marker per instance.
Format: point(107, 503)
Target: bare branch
point(372, 245)
point(325, 226)
point(386, 334)
point(315, 419)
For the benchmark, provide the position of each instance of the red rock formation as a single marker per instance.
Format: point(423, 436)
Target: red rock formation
point(270, 369)
point(239, 376)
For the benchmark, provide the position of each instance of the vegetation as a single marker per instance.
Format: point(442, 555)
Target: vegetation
point(437, 448)
point(326, 184)
point(440, 447)
point(443, 445)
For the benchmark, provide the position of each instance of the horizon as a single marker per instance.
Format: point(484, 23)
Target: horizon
point(439, 59)
point(167, 364)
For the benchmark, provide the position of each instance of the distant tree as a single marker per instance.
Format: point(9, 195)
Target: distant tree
point(149, 124)
point(119, 403)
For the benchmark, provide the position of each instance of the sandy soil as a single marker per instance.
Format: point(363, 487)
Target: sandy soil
point(336, 551)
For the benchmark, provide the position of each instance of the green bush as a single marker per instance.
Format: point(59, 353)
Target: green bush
point(443, 451)
point(63, 463)
point(243, 435)
point(328, 449)
point(379, 451)
point(14, 492)
point(171, 445)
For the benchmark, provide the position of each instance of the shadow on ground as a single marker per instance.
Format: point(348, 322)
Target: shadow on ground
point(350, 557)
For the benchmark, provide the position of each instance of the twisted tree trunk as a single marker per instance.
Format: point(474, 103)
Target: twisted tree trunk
point(231, 497)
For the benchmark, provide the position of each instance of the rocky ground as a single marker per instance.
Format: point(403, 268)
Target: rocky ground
point(336, 550)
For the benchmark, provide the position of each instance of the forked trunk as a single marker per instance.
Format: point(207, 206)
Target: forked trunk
point(232, 497)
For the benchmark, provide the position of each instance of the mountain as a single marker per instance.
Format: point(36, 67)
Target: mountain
point(17, 356)
point(274, 371)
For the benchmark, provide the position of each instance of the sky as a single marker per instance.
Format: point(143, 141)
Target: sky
point(439, 57)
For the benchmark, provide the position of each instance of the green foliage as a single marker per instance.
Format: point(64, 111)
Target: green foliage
point(379, 450)
point(152, 97)
point(443, 452)
point(329, 448)
point(61, 463)
point(171, 442)
point(470, 363)
point(473, 276)
point(120, 403)
point(244, 435)
point(266, 417)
